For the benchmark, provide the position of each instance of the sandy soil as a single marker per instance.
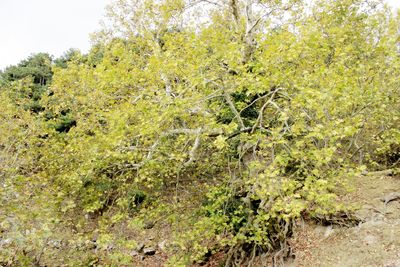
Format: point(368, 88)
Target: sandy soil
point(374, 242)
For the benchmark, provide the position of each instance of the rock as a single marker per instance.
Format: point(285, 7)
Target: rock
point(162, 245)
point(55, 244)
point(149, 251)
point(370, 240)
point(5, 242)
point(329, 231)
point(90, 245)
point(149, 224)
point(290, 262)
point(325, 231)
point(391, 197)
point(134, 253)
point(140, 247)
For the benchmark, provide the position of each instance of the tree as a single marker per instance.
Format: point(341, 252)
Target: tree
point(29, 79)
point(69, 55)
point(37, 66)
point(273, 104)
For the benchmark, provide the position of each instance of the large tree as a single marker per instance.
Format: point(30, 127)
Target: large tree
point(273, 105)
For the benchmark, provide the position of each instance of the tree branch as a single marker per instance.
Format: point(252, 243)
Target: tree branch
point(193, 151)
point(235, 12)
point(260, 115)
point(228, 99)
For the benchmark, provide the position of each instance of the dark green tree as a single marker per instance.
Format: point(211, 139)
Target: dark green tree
point(37, 66)
point(69, 55)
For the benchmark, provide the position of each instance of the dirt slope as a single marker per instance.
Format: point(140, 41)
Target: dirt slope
point(374, 242)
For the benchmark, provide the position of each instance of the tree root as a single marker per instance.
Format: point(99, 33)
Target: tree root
point(245, 254)
point(388, 172)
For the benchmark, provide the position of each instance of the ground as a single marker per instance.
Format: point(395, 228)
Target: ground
point(373, 242)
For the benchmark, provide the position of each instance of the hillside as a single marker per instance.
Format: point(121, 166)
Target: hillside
point(203, 133)
point(372, 242)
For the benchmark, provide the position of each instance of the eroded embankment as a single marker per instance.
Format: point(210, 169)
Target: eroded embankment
point(374, 242)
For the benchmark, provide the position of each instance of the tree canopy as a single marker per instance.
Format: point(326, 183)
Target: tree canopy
point(224, 121)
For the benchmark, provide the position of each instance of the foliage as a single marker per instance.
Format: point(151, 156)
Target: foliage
point(273, 105)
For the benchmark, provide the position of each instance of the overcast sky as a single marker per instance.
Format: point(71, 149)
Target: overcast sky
point(53, 26)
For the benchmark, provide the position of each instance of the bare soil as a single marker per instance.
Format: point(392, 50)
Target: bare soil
point(374, 242)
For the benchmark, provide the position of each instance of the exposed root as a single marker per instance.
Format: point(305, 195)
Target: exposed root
point(388, 172)
point(343, 219)
point(245, 254)
point(249, 255)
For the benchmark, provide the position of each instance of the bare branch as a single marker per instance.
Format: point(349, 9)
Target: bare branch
point(228, 99)
point(235, 11)
point(168, 86)
point(193, 151)
point(248, 38)
point(246, 130)
point(192, 154)
point(261, 112)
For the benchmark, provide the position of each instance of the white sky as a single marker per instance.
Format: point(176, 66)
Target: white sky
point(52, 26)
point(395, 3)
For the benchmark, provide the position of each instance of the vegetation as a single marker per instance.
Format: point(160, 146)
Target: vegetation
point(226, 122)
